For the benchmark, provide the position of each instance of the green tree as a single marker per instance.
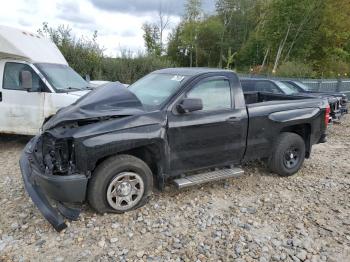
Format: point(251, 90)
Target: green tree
point(83, 54)
point(239, 19)
point(287, 28)
point(152, 39)
point(176, 50)
point(208, 44)
point(331, 49)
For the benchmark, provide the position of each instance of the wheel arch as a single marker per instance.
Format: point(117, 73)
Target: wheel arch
point(151, 154)
point(303, 130)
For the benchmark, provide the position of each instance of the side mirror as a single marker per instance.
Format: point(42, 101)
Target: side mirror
point(26, 80)
point(87, 78)
point(189, 105)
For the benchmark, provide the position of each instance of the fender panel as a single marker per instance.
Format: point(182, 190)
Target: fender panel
point(294, 115)
point(91, 150)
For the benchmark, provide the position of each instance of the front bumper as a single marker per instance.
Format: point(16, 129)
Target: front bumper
point(336, 115)
point(61, 189)
point(323, 139)
point(344, 110)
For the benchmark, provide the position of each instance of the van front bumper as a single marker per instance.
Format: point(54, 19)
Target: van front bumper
point(42, 187)
point(344, 110)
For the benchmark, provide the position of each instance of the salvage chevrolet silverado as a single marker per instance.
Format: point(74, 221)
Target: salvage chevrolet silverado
point(189, 126)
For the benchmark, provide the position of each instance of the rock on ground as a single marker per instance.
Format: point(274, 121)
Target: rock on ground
point(258, 217)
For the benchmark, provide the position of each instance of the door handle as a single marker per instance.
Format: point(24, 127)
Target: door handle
point(0, 96)
point(234, 119)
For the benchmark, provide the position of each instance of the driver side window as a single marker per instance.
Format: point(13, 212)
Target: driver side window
point(215, 94)
point(12, 79)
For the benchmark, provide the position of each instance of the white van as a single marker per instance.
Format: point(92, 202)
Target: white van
point(35, 81)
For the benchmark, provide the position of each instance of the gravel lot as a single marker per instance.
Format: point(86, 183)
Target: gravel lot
point(258, 217)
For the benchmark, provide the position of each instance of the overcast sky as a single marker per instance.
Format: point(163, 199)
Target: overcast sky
point(118, 22)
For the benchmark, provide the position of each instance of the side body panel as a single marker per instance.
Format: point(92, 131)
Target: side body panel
point(204, 140)
point(267, 120)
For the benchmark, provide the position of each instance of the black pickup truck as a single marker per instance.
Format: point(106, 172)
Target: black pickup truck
point(188, 126)
point(302, 88)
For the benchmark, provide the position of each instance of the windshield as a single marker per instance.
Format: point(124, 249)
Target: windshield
point(154, 89)
point(62, 77)
point(288, 90)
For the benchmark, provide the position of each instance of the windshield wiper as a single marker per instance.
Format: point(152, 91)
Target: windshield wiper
point(73, 88)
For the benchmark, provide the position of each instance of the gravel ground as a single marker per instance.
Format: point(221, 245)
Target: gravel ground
point(258, 217)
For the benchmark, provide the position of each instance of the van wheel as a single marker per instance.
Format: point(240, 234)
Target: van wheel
point(120, 184)
point(288, 154)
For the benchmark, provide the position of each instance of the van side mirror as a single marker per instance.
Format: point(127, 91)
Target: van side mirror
point(26, 79)
point(188, 105)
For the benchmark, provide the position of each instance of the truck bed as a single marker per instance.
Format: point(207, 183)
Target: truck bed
point(258, 97)
point(270, 113)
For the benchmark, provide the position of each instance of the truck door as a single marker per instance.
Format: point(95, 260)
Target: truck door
point(213, 136)
point(21, 110)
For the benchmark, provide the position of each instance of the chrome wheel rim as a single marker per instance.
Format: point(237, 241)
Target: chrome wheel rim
point(125, 191)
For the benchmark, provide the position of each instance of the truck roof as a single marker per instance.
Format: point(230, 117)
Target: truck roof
point(259, 79)
point(19, 44)
point(190, 71)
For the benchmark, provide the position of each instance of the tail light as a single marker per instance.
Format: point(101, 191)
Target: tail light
point(326, 117)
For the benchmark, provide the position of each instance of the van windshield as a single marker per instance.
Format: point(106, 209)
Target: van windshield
point(62, 77)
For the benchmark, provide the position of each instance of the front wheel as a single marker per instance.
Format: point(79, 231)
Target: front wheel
point(119, 184)
point(288, 154)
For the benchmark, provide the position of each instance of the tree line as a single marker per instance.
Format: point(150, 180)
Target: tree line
point(304, 38)
point(86, 57)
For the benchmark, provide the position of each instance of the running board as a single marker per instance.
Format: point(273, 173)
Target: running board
point(207, 177)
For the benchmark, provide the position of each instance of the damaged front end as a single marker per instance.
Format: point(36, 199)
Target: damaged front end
point(48, 174)
point(49, 163)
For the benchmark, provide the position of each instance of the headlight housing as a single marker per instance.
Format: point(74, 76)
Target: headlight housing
point(57, 154)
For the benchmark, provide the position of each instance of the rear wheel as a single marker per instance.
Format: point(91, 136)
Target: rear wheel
point(288, 154)
point(120, 184)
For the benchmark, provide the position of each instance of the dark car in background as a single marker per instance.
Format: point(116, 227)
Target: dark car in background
point(278, 87)
point(305, 89)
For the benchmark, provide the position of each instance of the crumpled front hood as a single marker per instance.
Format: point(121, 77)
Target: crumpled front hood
point(107, 101)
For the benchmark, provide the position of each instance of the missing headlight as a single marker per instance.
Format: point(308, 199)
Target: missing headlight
point(58, 155)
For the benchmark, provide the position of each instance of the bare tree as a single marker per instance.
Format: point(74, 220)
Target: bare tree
point(193, 13)
point(280, 49)
point(163, 23)
point(226, 9)
point(308, 16)
point(265, 59)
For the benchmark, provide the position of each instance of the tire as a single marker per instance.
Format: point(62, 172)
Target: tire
point(117, 181)
point(288, 146)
